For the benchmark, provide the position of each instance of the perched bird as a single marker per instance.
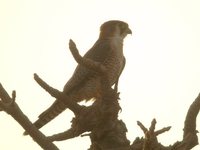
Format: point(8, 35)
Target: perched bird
point(84, 83)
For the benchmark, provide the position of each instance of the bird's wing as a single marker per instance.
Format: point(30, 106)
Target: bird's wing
point(99, 53)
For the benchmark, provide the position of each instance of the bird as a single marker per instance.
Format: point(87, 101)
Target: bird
point(85, 83)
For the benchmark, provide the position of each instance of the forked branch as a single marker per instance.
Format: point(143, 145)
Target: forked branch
point(9, 105)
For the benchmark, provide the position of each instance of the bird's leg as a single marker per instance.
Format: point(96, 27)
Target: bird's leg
point(116, 85)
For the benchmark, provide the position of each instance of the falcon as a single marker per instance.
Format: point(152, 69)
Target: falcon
point(85, 83)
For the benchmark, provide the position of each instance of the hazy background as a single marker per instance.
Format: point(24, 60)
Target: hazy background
point(161, 78)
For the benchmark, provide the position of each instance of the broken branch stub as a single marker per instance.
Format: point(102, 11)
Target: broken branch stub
point(90, 64)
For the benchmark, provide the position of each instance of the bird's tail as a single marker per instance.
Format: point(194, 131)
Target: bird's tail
point(54, 110)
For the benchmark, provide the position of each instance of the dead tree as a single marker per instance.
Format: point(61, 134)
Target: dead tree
point(107, 132)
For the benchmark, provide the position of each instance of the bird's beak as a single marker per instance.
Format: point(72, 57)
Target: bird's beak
point(129, 31)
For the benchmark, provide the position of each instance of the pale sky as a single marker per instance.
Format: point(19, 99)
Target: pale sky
point(161, 78)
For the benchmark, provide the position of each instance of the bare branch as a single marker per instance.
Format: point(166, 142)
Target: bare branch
point(190, 131)
point(152, 127)
point(73, 106)
point(190, 120)
point(144, 129)
point(71, 133)
point(8, 105)
point(150, 137)
point(13, 96)
point(90, 64)
point(6, 101)
point(162, 130)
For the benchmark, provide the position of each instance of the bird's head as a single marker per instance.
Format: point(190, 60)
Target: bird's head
point(114, 28)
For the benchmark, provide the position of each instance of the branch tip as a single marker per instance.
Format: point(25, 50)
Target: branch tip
point(153, 125)
point(143, 128)
point(13, 96)
point(71, 42)
point(162, 130)
point(35, 76)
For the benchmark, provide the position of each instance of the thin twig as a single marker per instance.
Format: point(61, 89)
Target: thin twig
point(162, 130)
point(144, 129)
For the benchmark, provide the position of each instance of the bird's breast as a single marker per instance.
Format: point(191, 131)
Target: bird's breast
point(114, 63)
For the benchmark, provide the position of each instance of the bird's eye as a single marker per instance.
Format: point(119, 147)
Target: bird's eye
point(123, 27)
